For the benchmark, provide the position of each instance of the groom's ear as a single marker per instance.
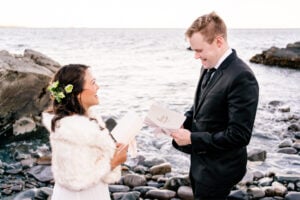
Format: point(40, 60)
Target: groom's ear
point(110, 124)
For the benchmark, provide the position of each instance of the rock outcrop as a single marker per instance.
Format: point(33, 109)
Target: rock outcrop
point(288, 57)
point(23, 96)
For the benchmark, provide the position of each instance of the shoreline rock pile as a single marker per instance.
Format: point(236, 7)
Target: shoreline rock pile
point(288, 57)
point(27, 174)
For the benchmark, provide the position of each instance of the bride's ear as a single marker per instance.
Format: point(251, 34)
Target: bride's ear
point(79, 97)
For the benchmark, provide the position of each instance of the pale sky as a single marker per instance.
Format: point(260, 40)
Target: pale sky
point(148, 13)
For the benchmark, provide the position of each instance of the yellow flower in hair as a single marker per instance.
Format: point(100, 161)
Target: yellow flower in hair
point(57, 92)
point(69, 88)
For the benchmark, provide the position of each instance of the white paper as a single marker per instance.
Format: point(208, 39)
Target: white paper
point(127, 128)
point(163, 118)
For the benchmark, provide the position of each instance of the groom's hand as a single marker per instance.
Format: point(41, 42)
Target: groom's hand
point(182, 137)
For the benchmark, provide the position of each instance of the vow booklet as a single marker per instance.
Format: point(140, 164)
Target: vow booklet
point(127, 128)
point(162, 118)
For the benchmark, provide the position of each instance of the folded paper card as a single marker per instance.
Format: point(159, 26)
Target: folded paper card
point(163, 118)
point(127, 128)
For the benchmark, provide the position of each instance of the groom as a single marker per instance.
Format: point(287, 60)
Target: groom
point(218, 127)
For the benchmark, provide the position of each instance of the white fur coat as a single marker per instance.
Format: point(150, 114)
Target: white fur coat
point(81, 152)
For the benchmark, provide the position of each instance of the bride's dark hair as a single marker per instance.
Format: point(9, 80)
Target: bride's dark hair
point(69, 74)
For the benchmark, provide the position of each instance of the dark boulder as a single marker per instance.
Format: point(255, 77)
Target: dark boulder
point(23, 94)
point(288, 57)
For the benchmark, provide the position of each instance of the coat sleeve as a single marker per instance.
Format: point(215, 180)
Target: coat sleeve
point(242, 100)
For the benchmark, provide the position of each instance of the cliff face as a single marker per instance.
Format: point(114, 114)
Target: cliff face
point(288, 57)
point(23, 95)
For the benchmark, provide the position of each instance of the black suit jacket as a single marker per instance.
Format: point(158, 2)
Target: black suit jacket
point(221, 122)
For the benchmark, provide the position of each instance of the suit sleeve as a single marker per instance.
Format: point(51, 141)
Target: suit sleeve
point(187, 124)
point(242, 100)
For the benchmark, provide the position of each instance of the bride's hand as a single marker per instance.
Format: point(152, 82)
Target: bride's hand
point(120, 155)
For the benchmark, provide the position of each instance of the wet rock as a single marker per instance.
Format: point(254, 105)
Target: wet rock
point(292, 196)
point(157, 177)
point(297, 135)
point(21, 152)
point(238, 194)
point(175, 182)
point(291, 186)
point(42, 173)
point(269, 191)
point(258, 175)
point(279, 189)
point(133, 180)
point(287, 134)
point(140, 169)
point(27, 194)
point(271, 198)
point(17, 188)
point(160, 194)
point(185, 192)
point(151, 161)
point(14, 168)
point(118, 188)
point(7, 191)
point(294, 128)
point(134, 195)
point(161, 169)
point(296, 145)
point(44, 193)
point(284, 108)
point(257, 155)
point(144, 189)
point(285, 178)
point(5, 185)
point(275, 103)
point(283, 57)
point(287, 150)
point(266, 181)
point(23, 125)
point(155, 184)
point(256, 192)
point(286, 143)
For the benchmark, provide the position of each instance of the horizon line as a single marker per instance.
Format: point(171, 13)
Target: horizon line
point(66, 27)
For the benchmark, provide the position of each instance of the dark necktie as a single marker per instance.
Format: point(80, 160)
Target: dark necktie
point(206, 77)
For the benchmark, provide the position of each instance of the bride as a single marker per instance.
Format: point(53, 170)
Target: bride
point(85, 158)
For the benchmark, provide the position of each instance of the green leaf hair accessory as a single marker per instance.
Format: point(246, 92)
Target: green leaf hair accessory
point(57, 92)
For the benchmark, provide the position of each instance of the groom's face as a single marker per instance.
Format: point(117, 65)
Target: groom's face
point(207, 53)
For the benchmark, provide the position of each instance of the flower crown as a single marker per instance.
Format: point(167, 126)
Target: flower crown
point(57, 92)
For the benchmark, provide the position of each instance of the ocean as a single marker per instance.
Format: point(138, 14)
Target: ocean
point(135, 67)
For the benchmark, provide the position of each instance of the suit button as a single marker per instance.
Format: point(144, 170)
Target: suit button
point(194, 121)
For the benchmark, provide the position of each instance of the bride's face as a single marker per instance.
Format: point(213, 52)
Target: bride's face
point(88, 97)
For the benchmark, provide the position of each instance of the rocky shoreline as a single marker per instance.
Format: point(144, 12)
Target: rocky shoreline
point(27, 175)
